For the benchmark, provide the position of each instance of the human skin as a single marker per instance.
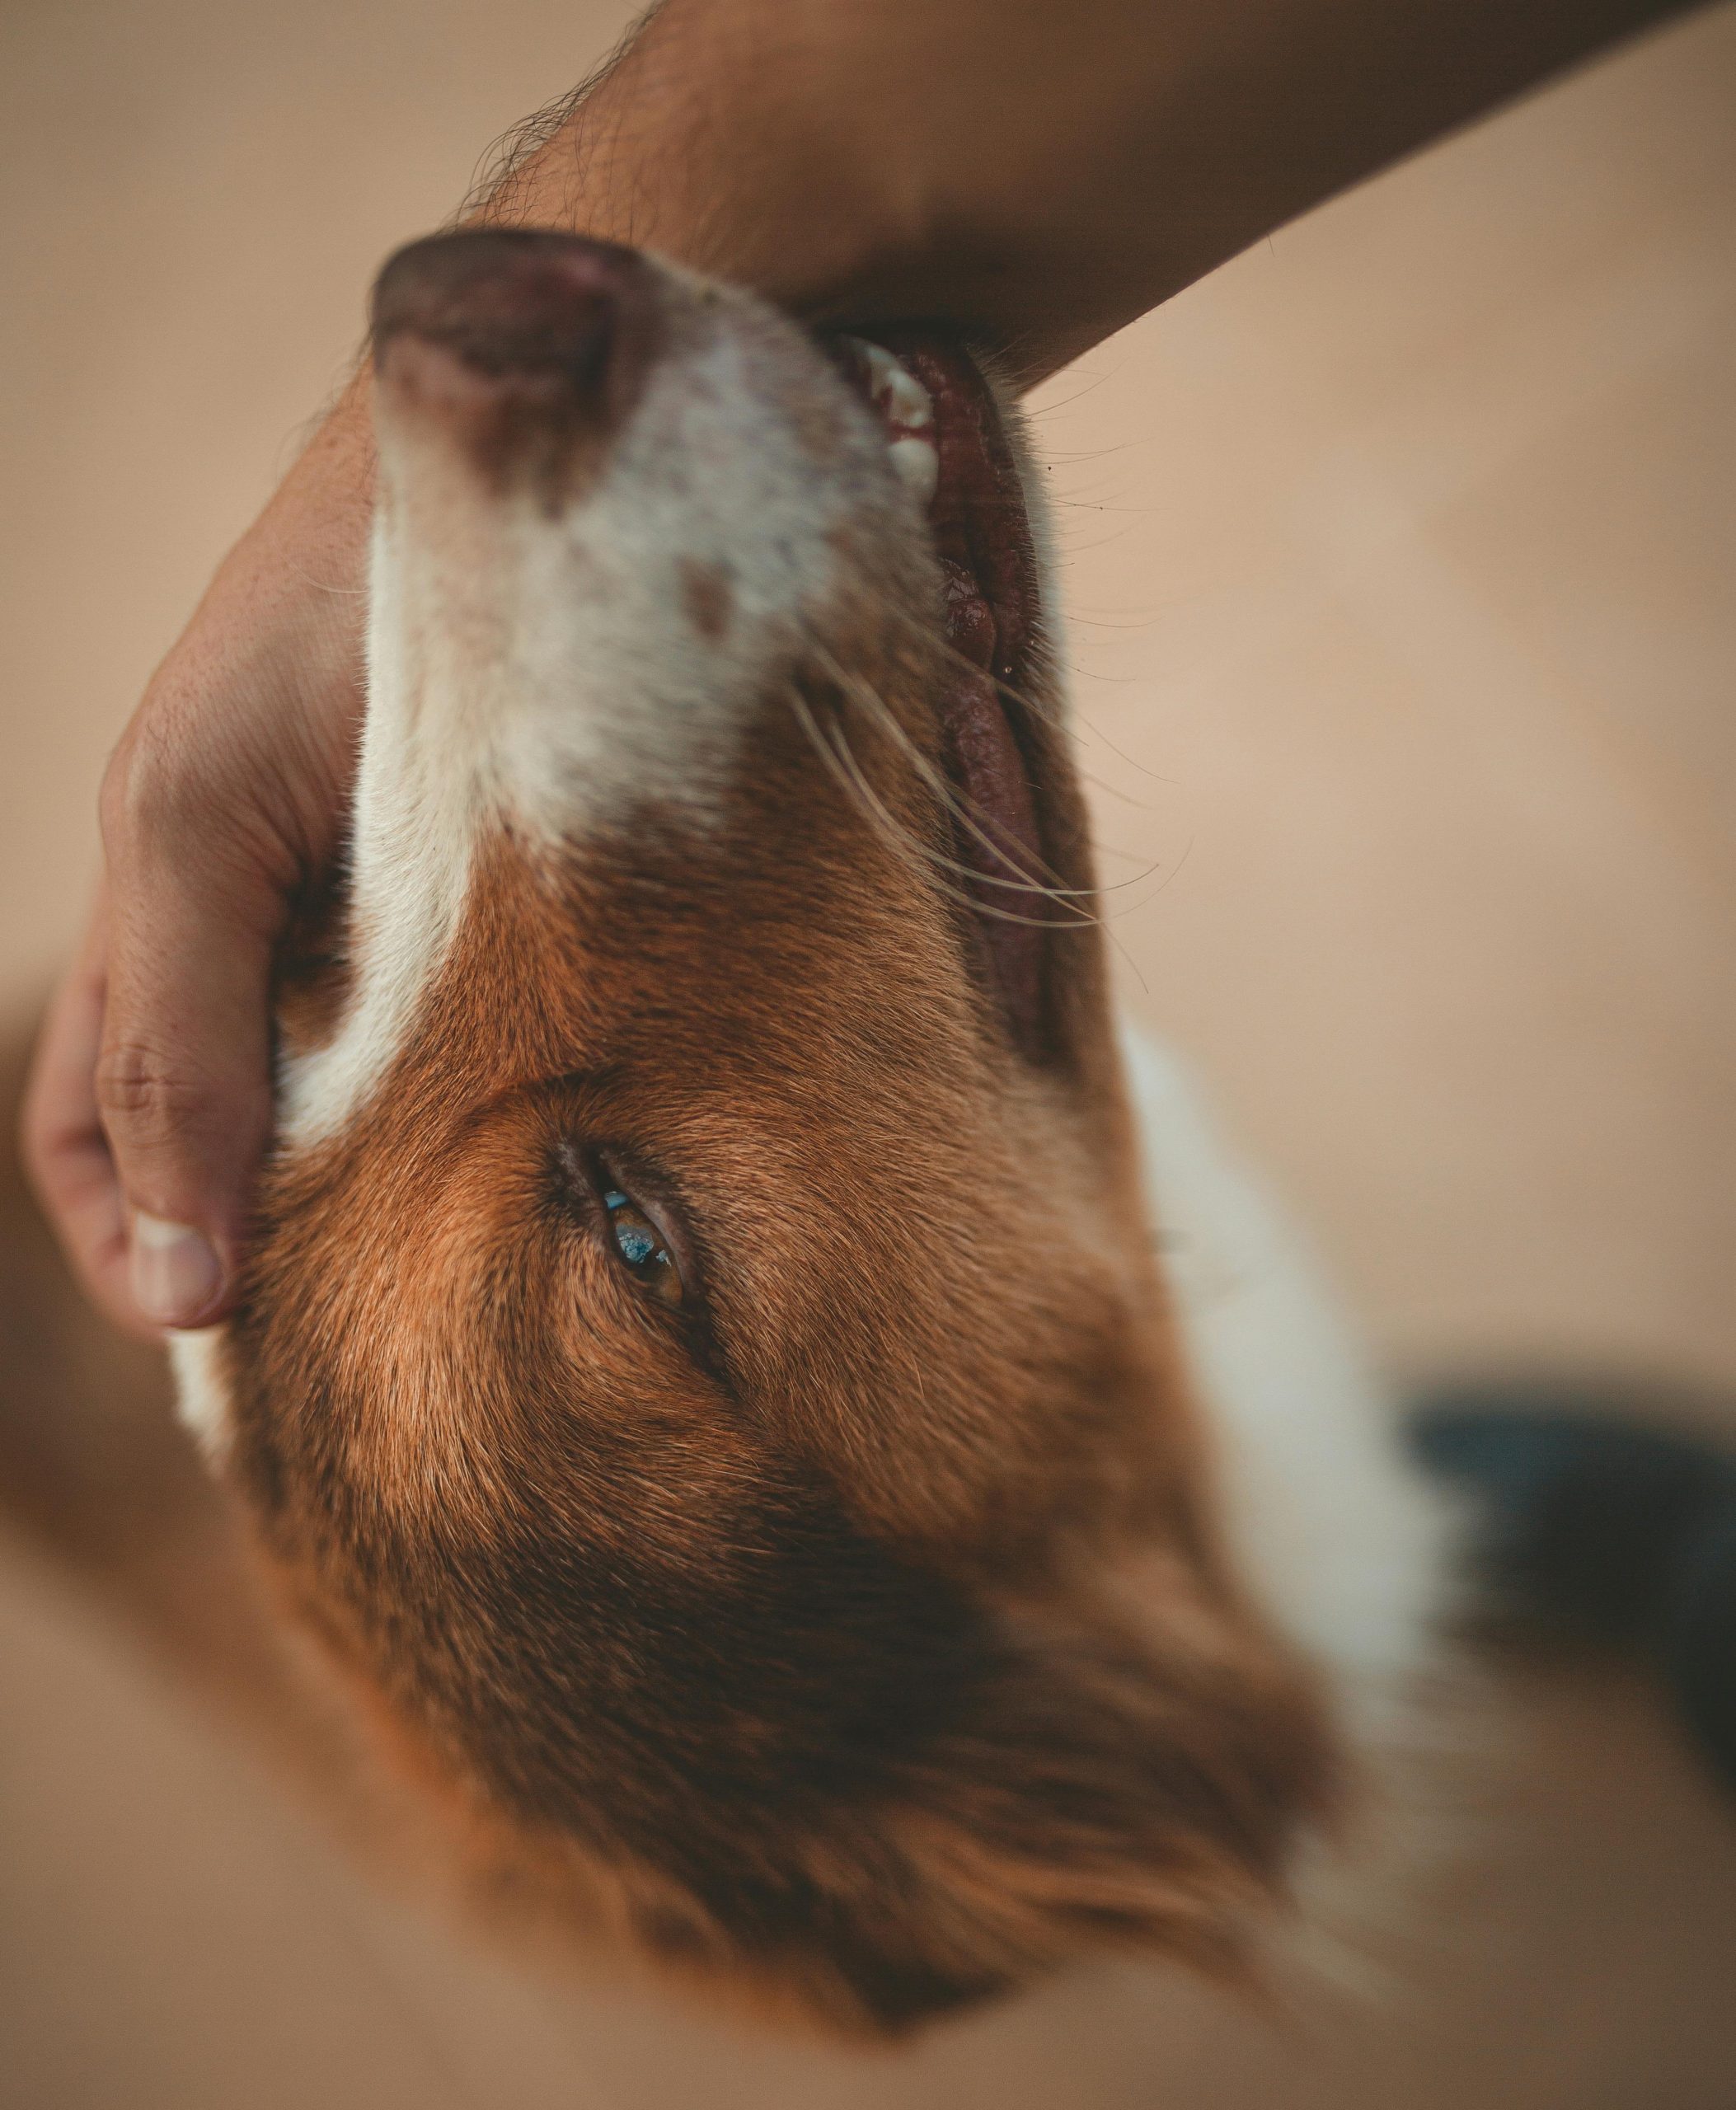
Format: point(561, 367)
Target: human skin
point(1032, 173)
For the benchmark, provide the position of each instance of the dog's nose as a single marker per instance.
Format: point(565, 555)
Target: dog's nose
point(515, 338)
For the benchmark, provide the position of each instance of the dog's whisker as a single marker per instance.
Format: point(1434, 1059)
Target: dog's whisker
point(960, 806)
point(1064, 725)
point(1044, 714)
point(847, 772)
point(955, 801)
point(965, 810)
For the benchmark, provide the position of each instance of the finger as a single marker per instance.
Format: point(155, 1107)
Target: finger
point(65, 1153)
point(181, 1076)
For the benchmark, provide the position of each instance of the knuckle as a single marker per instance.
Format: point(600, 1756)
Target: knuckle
point(179, 809)
point(144, 796)
point(173, 782)
point(144, 1094)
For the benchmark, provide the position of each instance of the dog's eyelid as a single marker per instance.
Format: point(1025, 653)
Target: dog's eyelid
point(606, 1179)
point(643, 1248)
point(621, 1172)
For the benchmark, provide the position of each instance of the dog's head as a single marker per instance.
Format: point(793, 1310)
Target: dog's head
point(702, 1363)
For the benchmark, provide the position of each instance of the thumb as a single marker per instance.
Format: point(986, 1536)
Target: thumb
point(182, 1079)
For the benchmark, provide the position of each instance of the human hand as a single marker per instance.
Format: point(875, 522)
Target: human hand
point(149, 1098)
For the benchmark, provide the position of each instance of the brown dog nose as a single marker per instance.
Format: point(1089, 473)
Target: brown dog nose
point(519, 341)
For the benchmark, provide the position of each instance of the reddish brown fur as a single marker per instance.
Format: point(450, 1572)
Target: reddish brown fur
point(826, 1670)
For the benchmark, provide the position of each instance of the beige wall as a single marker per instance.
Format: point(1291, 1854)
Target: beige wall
point(1398, 558)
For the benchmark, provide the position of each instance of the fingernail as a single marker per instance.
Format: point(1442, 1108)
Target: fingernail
point(176, 1274)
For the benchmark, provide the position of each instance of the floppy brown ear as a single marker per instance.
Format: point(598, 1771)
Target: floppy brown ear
point(1105, 1788)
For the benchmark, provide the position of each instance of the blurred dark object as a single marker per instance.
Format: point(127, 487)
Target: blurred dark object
point(1604, 1525)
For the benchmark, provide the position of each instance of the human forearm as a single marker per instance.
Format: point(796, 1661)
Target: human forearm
point(1039, 172)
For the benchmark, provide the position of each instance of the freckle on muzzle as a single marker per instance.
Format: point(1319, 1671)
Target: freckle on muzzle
point(529, 349)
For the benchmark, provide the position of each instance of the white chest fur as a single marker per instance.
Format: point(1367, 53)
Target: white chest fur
point(1347, 1548)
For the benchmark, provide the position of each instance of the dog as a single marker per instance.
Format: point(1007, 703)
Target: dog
point(704, 1369)
point(775, 1405)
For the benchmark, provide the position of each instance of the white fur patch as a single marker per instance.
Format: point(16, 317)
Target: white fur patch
point(418, 805)
point(1346, 1544)
point(536, 672)
point(201, 1397)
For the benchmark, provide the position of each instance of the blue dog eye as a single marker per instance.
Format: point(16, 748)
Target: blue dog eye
point(635, 1246)
point(640, 1246)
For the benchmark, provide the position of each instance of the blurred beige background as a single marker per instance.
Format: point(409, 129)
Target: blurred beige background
point(1398, 557)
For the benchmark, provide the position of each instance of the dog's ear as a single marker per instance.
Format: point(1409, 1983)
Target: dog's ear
point(1105, 1789)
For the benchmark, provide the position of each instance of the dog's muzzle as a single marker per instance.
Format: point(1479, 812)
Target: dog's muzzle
point(530, 348)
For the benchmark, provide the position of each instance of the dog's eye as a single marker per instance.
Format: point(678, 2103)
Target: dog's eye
point(641, 1247)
